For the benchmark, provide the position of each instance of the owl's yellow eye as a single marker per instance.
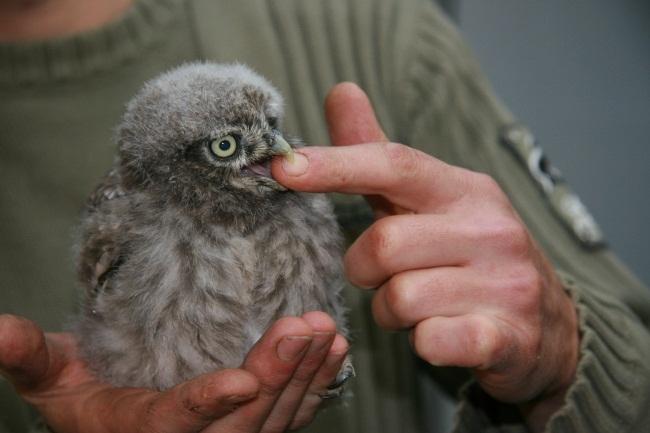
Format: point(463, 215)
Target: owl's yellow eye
point(224, 147)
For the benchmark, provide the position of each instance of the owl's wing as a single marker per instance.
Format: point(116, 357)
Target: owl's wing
point(102, 247)
point(109, 189)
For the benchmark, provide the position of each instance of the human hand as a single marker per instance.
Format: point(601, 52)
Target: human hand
point(276, 388)
point(450, 258)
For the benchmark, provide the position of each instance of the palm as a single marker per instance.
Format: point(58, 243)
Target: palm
point(71, 389)
point(73, 371)
point(47, 372)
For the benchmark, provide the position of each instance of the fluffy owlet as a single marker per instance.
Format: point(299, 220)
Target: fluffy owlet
point(189, 248)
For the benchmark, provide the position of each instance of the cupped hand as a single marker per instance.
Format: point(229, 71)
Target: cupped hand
point(449, 258)
point(276, 388)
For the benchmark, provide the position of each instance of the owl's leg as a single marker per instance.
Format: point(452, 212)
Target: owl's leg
point(337, 387)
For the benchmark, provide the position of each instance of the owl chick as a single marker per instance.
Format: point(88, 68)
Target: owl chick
point(189, 248)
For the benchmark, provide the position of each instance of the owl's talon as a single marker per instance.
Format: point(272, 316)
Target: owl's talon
point(337, 387)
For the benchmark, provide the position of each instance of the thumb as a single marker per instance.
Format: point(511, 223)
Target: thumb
point(350, 116)
point(24, 355)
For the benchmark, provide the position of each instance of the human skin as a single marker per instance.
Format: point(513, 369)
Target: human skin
point(276, 388)
point(474, 290)
point(449, 260)
point(30, 20)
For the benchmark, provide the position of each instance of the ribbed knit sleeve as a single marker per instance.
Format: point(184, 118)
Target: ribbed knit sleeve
point(612, 392)
point(456, 117)
point(612, 389)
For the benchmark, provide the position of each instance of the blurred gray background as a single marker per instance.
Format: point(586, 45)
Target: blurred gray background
point(578, 74)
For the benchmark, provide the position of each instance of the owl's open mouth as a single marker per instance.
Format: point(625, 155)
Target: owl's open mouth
point(260, 174)
point(260, 169)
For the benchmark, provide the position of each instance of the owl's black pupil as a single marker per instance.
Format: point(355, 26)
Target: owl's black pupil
point(224, 145)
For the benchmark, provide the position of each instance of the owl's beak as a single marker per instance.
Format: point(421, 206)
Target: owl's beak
point(281, 147)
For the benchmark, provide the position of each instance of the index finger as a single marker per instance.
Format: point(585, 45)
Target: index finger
point(351, 118)
point(405, 176)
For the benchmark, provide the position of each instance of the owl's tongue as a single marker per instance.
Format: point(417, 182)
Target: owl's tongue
point(261, 169)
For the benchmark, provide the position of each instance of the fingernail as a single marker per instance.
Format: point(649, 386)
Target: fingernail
point(238, 398)
point(289, 348)
point(297, 166)
point(335, 358)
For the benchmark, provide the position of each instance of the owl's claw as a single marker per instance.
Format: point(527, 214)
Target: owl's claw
point(337, 387)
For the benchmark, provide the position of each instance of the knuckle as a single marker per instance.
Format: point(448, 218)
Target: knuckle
point(507, 235)
point(405, 162)
point(399, 298)
point(517, 239)
point(524, 279)
point(526, 287)
point(423, 344)
point(383, 238)
point(487, 185)
point(485, 337)
point(339, 171)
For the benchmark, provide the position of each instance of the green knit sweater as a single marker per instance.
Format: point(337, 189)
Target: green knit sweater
point(60, 99)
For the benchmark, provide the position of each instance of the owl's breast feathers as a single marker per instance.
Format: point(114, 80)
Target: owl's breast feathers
point(157, 275)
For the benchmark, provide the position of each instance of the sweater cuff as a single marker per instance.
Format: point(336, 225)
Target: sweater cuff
point(611, 391)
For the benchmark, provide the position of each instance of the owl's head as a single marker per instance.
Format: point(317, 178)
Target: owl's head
point(202, 129)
